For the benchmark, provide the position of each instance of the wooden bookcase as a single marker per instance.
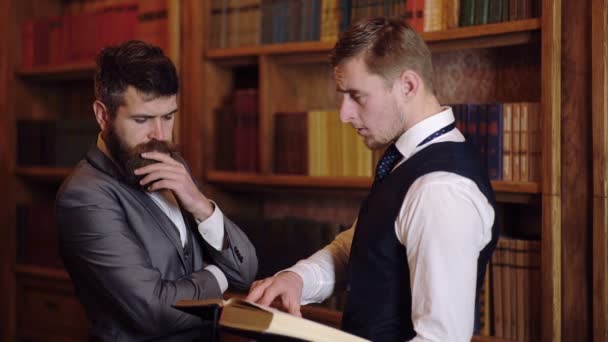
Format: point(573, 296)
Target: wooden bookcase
point(285, 69)
point(39, 301)
point(524, 55)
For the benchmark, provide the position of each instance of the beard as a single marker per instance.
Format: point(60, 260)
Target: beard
point(130, 159)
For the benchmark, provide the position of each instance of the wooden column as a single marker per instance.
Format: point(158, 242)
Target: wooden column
point(599, 64)
point(191, 100)
point(551, 192)
point(576, 179)
point(7, 247)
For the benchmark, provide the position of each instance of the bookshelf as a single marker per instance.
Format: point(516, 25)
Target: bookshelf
point(481, 36)
point(48, 174)
point(363, 183)
point(26, 92)
point(295, 76)
point(53, 73)
point(40, 303)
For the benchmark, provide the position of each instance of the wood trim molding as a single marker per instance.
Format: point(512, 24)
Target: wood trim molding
point(7, 246)
point(599, 60)
point(551, 207)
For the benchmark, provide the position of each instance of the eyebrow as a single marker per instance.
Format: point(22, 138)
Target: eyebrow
point(349, 91)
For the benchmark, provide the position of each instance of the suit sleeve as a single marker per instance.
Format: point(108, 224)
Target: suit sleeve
point(238, 259)
point(101, 251)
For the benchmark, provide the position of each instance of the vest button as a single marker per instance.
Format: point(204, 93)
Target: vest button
point(348, 288)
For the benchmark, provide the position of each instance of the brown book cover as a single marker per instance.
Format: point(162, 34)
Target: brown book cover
point(290, 143)
point(497, 289)
point(246, 132)
point(516, 141)
point(507, 158)
point(524, 149)
point(27, 43)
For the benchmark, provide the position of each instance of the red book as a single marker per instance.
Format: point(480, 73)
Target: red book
point(245, 107)
point(27, 44)
point(418, 22)
point(152, 23)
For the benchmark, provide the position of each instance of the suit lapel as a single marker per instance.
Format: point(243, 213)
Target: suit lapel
point(163, 222)
point(103, 163)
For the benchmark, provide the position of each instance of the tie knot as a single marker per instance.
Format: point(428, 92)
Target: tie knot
point(390, 157)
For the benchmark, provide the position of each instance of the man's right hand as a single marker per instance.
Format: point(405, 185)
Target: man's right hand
point(286, 287)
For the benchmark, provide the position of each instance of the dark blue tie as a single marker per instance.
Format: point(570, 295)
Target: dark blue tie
point(390, 157)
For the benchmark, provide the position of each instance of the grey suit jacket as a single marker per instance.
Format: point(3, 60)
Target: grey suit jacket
point(126, 260)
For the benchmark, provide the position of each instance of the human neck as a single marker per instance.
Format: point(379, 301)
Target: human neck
point(422, 108)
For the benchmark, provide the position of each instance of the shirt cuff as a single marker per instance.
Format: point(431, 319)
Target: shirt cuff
point(219, 275)
point(307, 275)
point(212, 229)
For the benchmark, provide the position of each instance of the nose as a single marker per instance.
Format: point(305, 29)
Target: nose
point(347, 112)
point(157, 131)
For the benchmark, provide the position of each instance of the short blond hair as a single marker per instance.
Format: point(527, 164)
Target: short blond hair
point(389, 46)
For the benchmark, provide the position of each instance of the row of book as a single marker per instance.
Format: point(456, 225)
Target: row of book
point(237, 23)
point(79, 36)
point(516, 293)
point(62, 142)
point(507, 135)
point(316, 143)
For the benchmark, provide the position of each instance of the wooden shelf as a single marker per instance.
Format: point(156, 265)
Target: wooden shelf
point(41, 272)
point(516, 187)
point(478, 338)
point(255, 179)
point(64, 72)
point(481, 36)
point(354, 183)
point(43, 173)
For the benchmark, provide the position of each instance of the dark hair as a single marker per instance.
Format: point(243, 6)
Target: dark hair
point(133, 63)
point(388, 46)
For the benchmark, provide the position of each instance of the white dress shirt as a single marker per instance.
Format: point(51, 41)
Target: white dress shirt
point(211, 229)
point(444, 222)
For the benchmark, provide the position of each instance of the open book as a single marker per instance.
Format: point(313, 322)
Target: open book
point(240, 314)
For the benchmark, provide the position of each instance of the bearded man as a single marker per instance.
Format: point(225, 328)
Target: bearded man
point(136, 233)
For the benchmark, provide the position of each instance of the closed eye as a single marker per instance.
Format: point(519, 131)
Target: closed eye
point(168, 117)
point(356, 97)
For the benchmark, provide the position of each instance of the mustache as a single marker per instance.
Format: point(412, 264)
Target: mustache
point(134, 160)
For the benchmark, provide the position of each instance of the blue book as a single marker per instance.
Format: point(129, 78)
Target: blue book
point(495, 141)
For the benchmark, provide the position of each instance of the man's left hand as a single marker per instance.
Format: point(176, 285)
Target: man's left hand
point(172, 175)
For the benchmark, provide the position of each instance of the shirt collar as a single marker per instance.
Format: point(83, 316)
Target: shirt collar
point(409, 140)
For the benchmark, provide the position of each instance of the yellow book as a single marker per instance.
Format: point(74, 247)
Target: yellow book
point(244, 315)
point(515, 142)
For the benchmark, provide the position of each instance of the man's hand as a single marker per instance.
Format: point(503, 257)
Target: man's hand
point(285, 286)
point(172, 175)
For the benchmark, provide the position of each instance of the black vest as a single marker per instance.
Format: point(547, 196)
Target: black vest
point(379, 297)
